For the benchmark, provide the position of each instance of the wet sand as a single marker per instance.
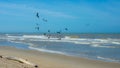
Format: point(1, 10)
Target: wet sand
point(47, 60)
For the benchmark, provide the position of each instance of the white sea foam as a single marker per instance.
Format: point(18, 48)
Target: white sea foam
point(13, 37)
point(86, 41)
point(16, 41)
point(46, 50)
point(115, 42)
point(102, 46)
point(107, 59)
point(77, 42)
point(95, 43)
point(35, 36)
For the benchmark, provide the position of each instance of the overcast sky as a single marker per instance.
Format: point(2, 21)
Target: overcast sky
point(79, 16)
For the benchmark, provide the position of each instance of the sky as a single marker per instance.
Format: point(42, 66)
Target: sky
point(79, 16)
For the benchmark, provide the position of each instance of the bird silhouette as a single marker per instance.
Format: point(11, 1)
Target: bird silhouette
point(44, 34)
point(66, 29)
point(37, 15)
point(37, 24)
point(58, 32)
point(49, 31)
point(45, 20)
point(37, 28)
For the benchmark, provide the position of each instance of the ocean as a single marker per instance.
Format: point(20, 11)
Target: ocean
point(104, 47)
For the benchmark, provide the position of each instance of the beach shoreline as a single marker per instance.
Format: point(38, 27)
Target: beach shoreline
point(47, 60)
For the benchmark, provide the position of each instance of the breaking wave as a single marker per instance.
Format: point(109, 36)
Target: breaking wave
point(108, 59)
point(103, 46)
point(68, 39)
point(71, 45)
point(46, 50)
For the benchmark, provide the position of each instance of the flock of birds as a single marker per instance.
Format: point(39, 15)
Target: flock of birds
point(49, 31)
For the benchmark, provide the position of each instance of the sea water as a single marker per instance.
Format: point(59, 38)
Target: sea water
point(104, 47)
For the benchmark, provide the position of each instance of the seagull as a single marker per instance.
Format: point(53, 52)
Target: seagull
point(37, 24)
point(59, 32)
point(37, 15)
point(37, 28)
point(44, 33)
point(59, 35)
point(44, 20)
point(66, 29)
point(49, 31)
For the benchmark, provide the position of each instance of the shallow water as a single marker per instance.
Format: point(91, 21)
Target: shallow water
point(104, 47)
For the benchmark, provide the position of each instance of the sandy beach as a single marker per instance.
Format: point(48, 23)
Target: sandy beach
point(46, 60)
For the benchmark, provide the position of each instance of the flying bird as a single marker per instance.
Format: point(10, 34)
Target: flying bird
point(37, 15)
point(66, 29)
point(49, 31)
point(45, 20)
point(37, 28)
point(37, 24)
point(44, 34)
point(59, 35)
point(58, 32)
